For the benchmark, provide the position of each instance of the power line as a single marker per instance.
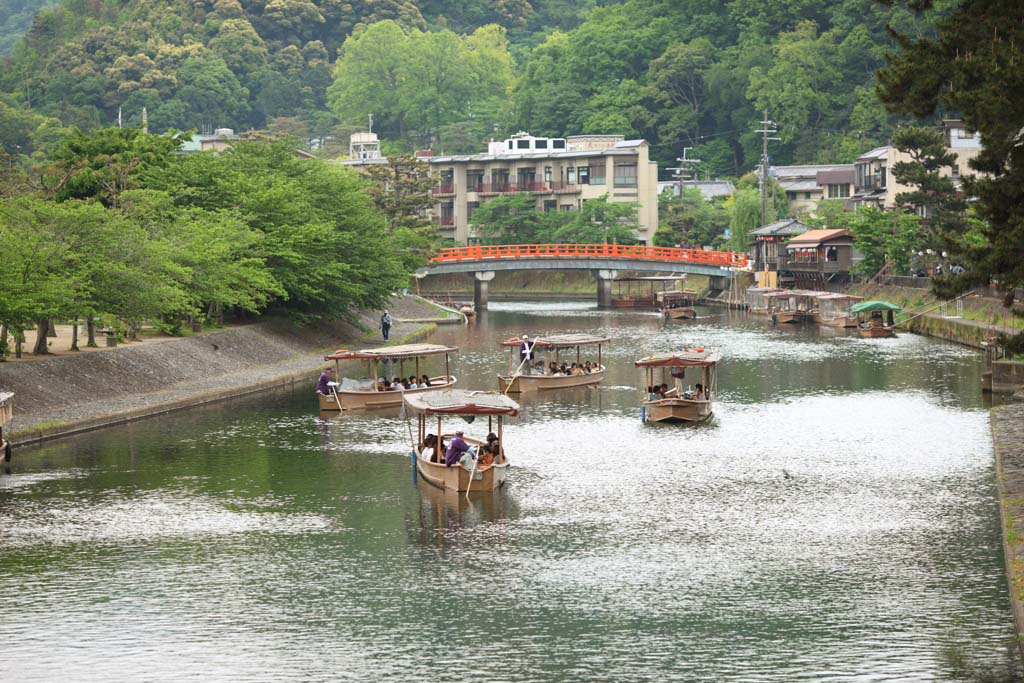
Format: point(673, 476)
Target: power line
point(767, 128)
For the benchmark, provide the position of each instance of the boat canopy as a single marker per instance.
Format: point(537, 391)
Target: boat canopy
point(392, 352)
point(874, 306)
point(461, 402)
point(675, 295)
point(560, 341)
point(691, 357)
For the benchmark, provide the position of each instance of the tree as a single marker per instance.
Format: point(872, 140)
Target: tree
point(970, 65)
point(935, 196)
point(744, 216)
point(509, 219)
point(400, 189)
point(689, 219)
point(598, 221)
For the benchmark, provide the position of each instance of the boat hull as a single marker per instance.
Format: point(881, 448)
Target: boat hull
point(457, 478)
point(876, 332)
point(355, 400)
point(839, 321)
point(671, 410)
point(680, 314)
point(787, 316)
point(528, 383)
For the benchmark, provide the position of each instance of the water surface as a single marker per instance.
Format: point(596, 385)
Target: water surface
point(834, 522)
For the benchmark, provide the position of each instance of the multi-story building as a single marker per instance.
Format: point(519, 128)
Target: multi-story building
point(559, 173)
point(807, 185)
point(874, 184)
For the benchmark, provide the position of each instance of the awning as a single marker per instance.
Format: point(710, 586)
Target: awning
point(874, 306)
point(697, 356)
point(392, 352)
point(559, 341)
point(461, 402)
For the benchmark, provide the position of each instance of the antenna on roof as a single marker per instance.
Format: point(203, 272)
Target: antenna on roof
point(371, 123)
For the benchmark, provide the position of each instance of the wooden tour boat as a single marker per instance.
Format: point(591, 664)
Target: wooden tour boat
point(679, 404)
point(757, 300)
point(871, 323)
point(467, 404)
point(642, 292)
point(677, 305)
point(6, 415)
point(834, 310)
point(383, 363)
point(520, 378)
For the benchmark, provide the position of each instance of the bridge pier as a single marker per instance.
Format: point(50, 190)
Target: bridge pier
point(480, 282)
point(604, 280)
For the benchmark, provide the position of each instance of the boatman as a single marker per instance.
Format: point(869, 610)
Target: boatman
point(322, 383)
point(385, 324)
point(526, 355)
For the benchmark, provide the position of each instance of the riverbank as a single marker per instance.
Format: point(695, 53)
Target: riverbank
point(1008, 444)
point(60, 396)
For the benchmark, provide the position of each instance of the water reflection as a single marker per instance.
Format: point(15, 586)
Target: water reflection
point(834, 522)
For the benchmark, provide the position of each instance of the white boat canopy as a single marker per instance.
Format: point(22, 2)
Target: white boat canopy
point(392, 352)
point(690, 357)
point(461, 402)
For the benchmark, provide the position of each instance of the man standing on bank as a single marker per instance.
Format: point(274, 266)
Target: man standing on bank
point(385, 324)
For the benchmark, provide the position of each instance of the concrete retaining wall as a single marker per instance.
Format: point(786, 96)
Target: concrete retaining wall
point(1008, 441)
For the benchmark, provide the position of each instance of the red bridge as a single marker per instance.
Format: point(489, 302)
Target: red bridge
point(604, 261)
point(668, 255)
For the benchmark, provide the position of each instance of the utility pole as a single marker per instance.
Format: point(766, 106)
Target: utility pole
point(767, 127)
point(680, 171)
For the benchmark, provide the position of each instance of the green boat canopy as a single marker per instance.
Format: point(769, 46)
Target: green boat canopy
point(874, 306)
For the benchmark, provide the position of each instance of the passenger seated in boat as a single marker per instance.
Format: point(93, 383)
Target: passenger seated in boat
point(425, 381)
point(428, 448)
point(412, 383)
point(564, 370)
point(553, 369)
point(699, 394)
point(587, 368)
point(384, 386)
point(669, 393)
point(576, 370)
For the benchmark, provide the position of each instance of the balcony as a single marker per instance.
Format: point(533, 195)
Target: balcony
point(445, 221)
point(444, 190)
point(806, 266)
point(496, 188)
point(560, 187)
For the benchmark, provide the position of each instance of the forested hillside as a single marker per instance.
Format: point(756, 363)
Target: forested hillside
point(451, 73)
point(15, 19)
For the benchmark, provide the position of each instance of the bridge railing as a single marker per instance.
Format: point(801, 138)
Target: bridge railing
point(479, 252)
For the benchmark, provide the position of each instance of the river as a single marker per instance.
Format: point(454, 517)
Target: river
point(835, 521)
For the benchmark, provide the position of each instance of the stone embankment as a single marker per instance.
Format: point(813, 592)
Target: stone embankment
point(61, 396)
point(1008, 439)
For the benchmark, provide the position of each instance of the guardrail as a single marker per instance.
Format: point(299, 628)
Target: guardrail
point(616, 251)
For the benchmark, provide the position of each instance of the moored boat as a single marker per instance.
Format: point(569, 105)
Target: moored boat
point(478, 476)
point(871, 323)
point(679, 402)
point(377, 390)
point(6, 415)
point(757, 300)
point(834, 310)
point(642, 292)
point(532, 376)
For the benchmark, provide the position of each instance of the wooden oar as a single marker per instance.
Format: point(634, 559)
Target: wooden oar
point(334, 393)
point(471, 473)
point(512, 379)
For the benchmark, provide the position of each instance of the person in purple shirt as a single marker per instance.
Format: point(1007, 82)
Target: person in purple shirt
point(456, 448)
point(321, 384)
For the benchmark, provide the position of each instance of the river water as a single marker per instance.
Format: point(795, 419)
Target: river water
point(834, 522)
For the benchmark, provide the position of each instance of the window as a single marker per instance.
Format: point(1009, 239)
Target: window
point(839, 191)
point(558, 144)
point(791, 196)
point(447, 214)
point(583, 173)
point(510, 144)
point(523, 144)
point(550, 205)
point(807, 195)
point(864, 176)
point(881, 177)
point(954, 171)
point(540, 144)
point(470, 208)
point(567, 207)
point(474, 180)
point(597, 174)
point(570, 175)
point(625, 175)
point(547, 174)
